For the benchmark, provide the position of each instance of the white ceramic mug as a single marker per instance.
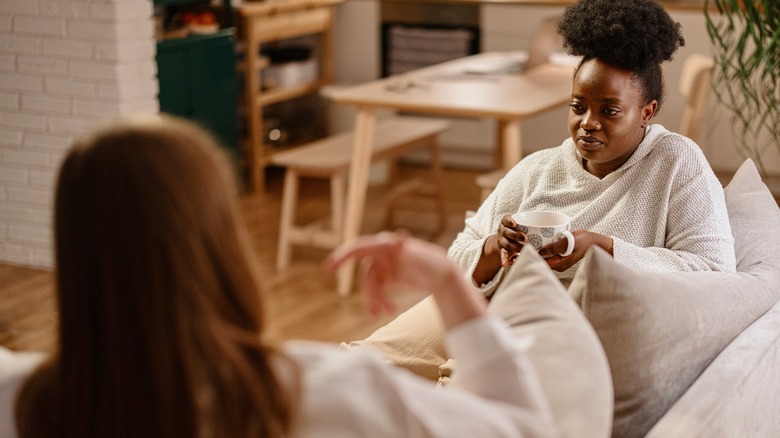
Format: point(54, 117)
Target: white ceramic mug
point(545, 227)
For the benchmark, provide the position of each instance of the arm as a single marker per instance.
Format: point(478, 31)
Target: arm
point(476, 249)
point(496, 391)
point(395, 260)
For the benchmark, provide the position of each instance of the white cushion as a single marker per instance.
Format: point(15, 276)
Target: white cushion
point(660, 331)
point(567, 354)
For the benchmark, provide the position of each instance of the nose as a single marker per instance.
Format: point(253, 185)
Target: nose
point(589, 123)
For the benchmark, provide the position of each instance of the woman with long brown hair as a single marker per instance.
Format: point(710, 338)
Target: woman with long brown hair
point(161, 321)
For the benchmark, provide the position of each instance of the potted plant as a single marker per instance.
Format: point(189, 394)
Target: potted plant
point(746, 39)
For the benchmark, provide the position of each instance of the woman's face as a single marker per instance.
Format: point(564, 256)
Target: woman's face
point(607, 116)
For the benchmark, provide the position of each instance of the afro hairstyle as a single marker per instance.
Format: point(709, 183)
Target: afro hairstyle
point(629, 34)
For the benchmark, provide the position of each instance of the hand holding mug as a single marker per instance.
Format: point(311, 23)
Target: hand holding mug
point(510, 240)
point(583, 240)
point(549, 232)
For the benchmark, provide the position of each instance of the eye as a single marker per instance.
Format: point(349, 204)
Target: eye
point(576, 107)
point(611, 111)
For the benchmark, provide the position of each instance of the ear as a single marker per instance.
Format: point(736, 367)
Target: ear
point(648, 111)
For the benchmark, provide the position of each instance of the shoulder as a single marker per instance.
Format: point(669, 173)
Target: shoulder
point(14, 365)
point(670, 143)
point(677, 151)
point(34, 404)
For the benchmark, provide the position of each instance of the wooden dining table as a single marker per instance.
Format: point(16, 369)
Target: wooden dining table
point(486, 85)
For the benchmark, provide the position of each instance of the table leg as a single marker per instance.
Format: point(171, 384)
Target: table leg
point(511, 142)
point(365, 123)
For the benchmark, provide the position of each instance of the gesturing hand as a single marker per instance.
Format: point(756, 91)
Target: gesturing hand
point(394, 259)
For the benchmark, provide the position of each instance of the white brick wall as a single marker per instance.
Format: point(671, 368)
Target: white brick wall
point(64, 66)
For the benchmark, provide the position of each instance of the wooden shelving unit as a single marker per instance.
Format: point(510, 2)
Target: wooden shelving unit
point(265, 22)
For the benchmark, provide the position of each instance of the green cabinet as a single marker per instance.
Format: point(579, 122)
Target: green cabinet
point(197, 79)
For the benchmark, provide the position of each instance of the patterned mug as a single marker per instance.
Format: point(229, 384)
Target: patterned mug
point(545, 227)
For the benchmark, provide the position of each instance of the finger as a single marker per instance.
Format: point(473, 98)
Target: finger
point(508, 222)
point(373, 284)
point(377, 305)
point(376, 301)
point(555, 248)
point(515, 238)
point(364, 246)
point(359, 248)
point(507, 258)
point(548, 251)
point(556, 264)
point(379, 272)
point(522, 237)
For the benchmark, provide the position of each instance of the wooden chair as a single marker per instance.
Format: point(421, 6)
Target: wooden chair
point(330, 158)
point(695, 86)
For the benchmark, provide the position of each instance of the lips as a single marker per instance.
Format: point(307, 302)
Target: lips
point(589, 141)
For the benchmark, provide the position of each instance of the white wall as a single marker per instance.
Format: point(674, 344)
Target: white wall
point(64, 66)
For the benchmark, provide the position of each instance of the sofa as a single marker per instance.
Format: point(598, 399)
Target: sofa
point(687, 354)
point(622, 352)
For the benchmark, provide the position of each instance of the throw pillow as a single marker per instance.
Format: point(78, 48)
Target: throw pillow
point(660, 331)
point(567, 355)
point(413, 340)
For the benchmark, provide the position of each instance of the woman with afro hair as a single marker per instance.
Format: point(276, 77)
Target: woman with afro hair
point(642, 193)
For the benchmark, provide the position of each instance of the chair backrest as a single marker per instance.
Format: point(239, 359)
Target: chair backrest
point(695, 85)
point(544, 43)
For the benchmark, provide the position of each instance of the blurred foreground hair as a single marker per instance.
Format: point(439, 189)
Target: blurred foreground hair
point(159, 302)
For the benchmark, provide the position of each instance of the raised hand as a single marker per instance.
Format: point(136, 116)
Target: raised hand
point(395, 259)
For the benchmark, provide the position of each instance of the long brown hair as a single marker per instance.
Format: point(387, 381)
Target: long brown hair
point(160, 314)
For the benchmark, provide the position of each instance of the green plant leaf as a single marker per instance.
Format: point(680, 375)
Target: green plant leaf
point(745, 35)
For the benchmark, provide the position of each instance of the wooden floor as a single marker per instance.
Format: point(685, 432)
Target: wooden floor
point(302, 302)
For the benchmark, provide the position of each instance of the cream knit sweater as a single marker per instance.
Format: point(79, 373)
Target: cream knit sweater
point(664, 207)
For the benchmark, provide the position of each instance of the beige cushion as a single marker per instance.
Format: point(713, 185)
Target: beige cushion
point(413, 340)
point(660, 331)
point(567, 354)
